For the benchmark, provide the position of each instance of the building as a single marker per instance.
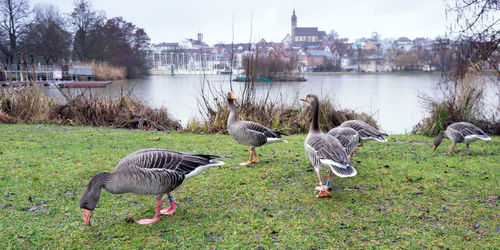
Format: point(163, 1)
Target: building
point(190, 43)
point(305, 34)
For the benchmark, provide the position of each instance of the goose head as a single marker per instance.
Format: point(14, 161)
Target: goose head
point(312, 99)
point(438, 140)
point(88, 202)
point(231, 97)
point(91, 196)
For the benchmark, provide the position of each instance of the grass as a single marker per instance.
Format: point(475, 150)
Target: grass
point(404, 195)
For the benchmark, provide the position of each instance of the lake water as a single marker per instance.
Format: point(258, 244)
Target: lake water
point(391, 98)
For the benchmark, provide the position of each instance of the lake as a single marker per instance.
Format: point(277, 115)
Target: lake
point(392, 98)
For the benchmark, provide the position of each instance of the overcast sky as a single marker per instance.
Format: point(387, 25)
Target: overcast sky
point(171, 21)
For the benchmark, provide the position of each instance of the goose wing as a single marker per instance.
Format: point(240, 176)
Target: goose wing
point(364, 129)
point(256, 128)
point(466, 129)
point(326, 150)
point(155, 158)
point(325, 147)
point(347, 136)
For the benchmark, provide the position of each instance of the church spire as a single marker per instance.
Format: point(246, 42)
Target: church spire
point(294, 25)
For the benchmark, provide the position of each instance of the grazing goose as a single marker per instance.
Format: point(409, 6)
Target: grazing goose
point(365, 131)
point(460, 132)
point(348, 137)
point(324, 150)
point(249, 133)
point(149, 171)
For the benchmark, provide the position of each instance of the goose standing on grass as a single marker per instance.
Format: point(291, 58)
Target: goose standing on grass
point(149, 171)
point(348, 137)
point(461, 132)
point(249, 133)
point(324, 150)
point(365, 131)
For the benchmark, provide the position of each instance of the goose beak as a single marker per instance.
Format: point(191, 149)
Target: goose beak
point(233, 96)
point(86, 216)
point(303, 99)
point(434, 148)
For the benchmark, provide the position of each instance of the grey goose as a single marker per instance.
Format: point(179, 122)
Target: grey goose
point(150, 172)
point(460, 132)
point(249, 133)
point(324, 150)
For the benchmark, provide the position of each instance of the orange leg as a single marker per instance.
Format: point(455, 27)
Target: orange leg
point(452, 148)
point(251, 160)
point(323, 189)
point(255, 159)
point(157, 215)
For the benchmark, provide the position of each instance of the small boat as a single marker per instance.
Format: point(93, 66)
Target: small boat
point(84, 84)
point(224, 72)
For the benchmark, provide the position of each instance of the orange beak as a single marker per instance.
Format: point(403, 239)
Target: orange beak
point(87, 214)
point(233, 96)
point(303, 99)
point(433, 147)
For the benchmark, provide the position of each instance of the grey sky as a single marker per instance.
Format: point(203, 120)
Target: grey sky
point(171, 21)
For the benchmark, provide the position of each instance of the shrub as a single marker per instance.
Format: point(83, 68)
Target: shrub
point(462, 100)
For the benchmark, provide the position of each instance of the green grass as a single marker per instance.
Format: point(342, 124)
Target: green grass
point(404, 195)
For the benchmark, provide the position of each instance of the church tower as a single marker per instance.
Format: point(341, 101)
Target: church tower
point(294, 25)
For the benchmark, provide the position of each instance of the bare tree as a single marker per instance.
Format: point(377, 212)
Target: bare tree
point(47, 36)
point(333, 35)
point(14, 16)
point(478, 27)
point(87, 25)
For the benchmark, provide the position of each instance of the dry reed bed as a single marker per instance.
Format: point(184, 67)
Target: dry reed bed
point(288, 119)
point(29, 105)
point(104, 71)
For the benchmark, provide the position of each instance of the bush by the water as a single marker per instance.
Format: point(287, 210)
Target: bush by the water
point(462, 100)
point(272, 112)
point(29, 105)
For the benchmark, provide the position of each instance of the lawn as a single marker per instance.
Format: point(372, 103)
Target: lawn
point(404, 195)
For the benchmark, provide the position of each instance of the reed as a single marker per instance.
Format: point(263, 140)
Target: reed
point(29, 105)
point(270, 111)
point(104, 71)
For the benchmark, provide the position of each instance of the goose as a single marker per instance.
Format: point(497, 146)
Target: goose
point(348, 137)
point(151, 171)
point(365, 131)
point(249, 133)
point(324, 150)
point(460, 132)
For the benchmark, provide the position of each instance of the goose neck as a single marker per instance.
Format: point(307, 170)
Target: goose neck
point(315, 118)
point(232, 111)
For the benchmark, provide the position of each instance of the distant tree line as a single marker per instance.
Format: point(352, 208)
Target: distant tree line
point(43, 35)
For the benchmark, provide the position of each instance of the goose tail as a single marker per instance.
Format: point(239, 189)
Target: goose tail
point(484, 137)
point(273, 140)
point(200, 169)
point(341, 169)
point(380, 139)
